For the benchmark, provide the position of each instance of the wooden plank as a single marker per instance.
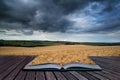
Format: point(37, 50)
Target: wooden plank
point(59, 75)
point(7, 71)
point(110, 70)
point(108, 75)
point(115, 58)
point(112, 61)
point(6, 59)
point(78, 76)
point(107, 60)
point(21, 75)
point(8, 64)
point(113, 64)
point(40, 75)
point(69, 76)
point(3, 57)
point(15, 71)
point(88, 76)
point(109, 67)
point(50, 75)
point(30, 75)
point(97, 75)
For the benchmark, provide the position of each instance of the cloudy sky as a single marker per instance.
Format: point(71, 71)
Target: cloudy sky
point(60, 20)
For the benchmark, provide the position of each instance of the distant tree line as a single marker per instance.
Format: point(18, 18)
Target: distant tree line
point(22, 43)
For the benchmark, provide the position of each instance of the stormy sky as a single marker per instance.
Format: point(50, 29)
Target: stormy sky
point(60, 20)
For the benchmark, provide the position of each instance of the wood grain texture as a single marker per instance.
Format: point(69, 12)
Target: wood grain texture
point(11, 68)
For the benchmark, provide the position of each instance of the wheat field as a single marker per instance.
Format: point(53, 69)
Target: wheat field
point(62, 54)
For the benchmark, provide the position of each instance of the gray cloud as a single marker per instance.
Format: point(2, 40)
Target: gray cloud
point(50, 15)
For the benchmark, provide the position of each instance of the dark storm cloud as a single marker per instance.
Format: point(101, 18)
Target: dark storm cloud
point(17, 11)
point(3, 9)
point(50, 15)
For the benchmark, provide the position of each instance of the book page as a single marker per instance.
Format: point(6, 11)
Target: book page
point(43, 66)
point(80, 65)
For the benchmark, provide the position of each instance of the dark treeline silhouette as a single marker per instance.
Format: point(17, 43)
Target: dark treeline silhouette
point(24, 43)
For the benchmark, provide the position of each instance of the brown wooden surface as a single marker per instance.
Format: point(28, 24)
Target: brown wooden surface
point(11, 69)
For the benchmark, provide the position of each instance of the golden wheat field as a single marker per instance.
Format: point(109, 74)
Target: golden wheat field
point(62, 54)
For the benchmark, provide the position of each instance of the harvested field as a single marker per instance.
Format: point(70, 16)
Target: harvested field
point(62, 54)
